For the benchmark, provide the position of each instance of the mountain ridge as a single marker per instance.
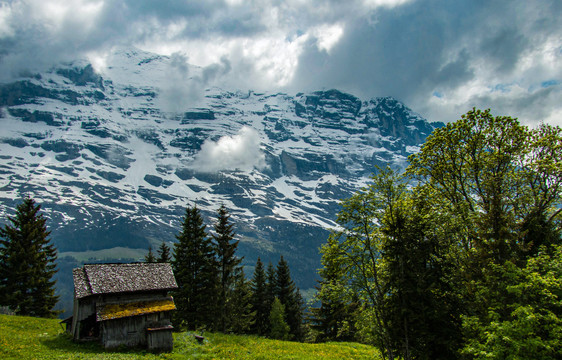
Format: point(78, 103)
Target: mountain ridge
point(113, 166)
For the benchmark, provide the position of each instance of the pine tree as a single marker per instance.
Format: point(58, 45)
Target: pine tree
point(241, 316)
point(297, 316)
point(163, 253)
point(149, 258)
point(278, 325)
point(195, 272)
point(270, 291)
point(27, 263)
point(260, 304)
point(271, 284)
point(228, 265)
point(289, 296)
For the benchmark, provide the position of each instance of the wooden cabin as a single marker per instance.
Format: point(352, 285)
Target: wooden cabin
point(124, 304)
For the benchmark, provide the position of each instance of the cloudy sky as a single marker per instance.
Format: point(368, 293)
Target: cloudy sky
point(440, 57)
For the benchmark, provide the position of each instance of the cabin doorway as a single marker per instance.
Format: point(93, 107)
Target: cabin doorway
point(90, 328)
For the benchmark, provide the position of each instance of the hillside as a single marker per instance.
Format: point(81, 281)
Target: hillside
point(34, 338)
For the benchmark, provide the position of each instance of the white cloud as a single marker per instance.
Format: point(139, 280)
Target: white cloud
point(6, 29)
point(384, 3)
point(183, 89)
point(328, 36)
point(238, 152)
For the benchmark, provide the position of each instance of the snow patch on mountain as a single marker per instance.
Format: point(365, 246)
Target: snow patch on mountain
point(115, 165)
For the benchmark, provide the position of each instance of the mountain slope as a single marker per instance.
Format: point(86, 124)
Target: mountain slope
point(116, 155)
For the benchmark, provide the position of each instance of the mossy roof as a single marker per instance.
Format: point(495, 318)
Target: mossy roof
point(117, 311)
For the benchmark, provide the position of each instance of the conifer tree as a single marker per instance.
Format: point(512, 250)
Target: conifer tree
point(278, 325)
point(228, 265)
point(150, 258)
point(241, 316)
point(196, 275)
point(260, 304)
point(27, 263)
point(287, 293)
point(270, 291)
point(271, 284)
point(163, 253)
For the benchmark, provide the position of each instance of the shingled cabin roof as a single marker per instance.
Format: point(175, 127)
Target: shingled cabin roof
point(97, 279)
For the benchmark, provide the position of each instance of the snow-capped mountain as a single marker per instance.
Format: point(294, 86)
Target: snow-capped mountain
point(115, 155)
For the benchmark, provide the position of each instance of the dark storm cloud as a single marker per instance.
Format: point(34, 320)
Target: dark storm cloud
point(37, 39)
point(427, 46)
point(382, 54)
point(440, 57)
point(503, 48)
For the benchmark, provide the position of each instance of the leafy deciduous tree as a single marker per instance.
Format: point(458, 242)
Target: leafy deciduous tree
point(334, 319)
point(501, 185)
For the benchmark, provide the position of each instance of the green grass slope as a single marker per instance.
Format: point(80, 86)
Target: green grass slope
point(32, 338)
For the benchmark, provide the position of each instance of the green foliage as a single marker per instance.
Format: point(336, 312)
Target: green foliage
point(391, 254)
point(241, 317)
point(421, 306)
point(501, 185)
point(164, 253)
point(358, 246)
point(464, 261)
point(195, 271)
point(259, 300)
point(501, 180)
point(149, 257)
point(289, 296)
point(531, 323)
point(34, 338)
point(229, 268)
point(27, 263)
point(271, 285)
point(334, 319)
point(279, 327)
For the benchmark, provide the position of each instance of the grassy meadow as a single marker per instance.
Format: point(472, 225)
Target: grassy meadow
point(33, 338)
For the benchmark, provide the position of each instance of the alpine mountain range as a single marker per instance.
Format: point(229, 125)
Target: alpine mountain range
point(115, 156)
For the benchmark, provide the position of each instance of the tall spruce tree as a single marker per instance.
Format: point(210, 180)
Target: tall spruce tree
point(196, 275)
point(260, 303)
point(27, 263)
point(271, 284)
point(270, 291)
point(288, 295)
point(163, 253)
point(242, 317)
point(228, 266)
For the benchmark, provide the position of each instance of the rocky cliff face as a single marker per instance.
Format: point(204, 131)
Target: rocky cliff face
point(114, 170)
